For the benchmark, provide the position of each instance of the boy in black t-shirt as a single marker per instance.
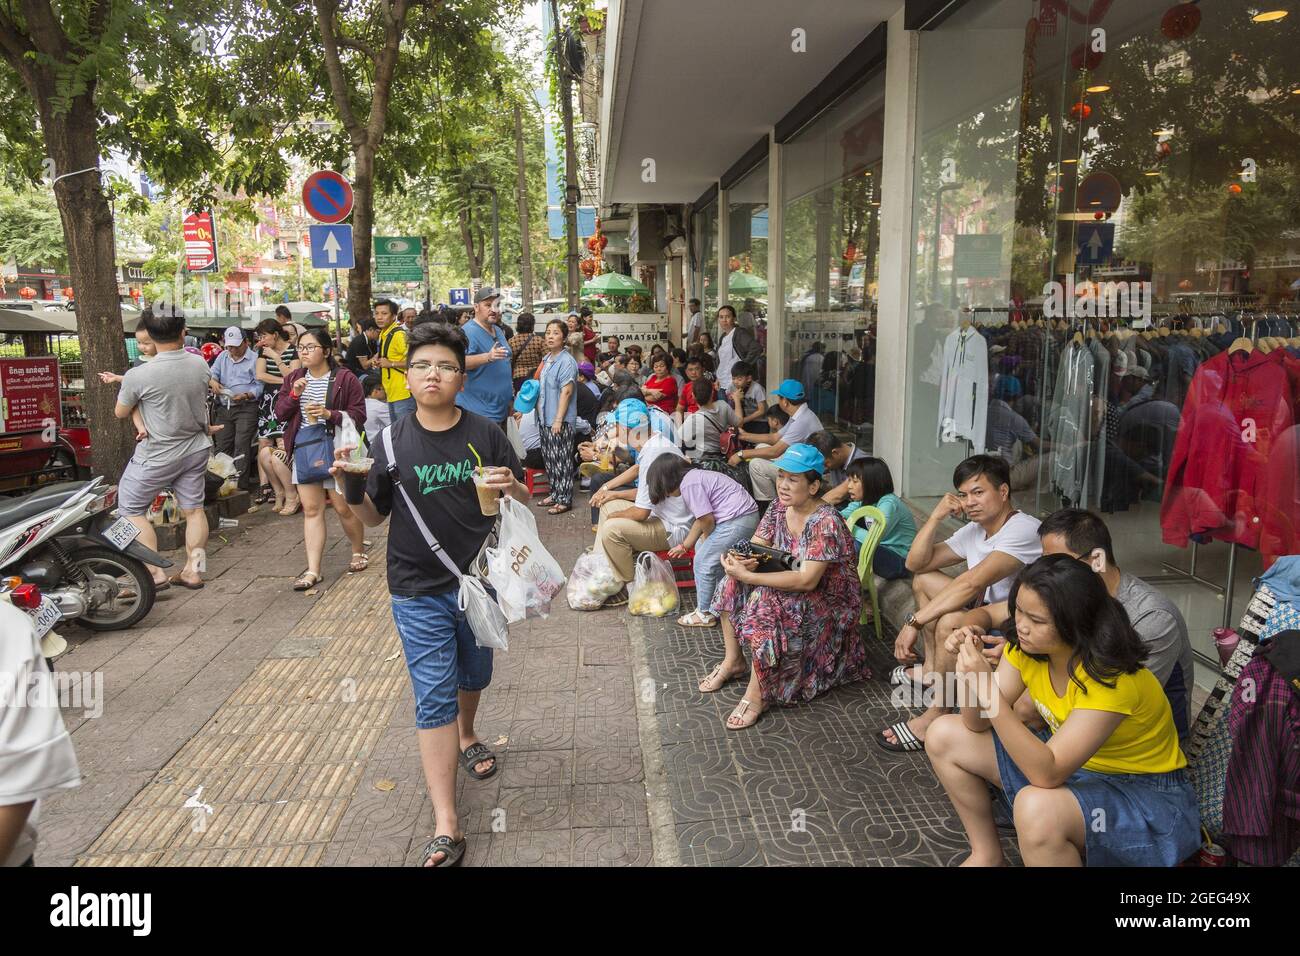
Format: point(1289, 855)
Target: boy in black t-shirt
point(437, 449)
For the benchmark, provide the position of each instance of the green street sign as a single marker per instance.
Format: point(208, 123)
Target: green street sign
point(397, 259)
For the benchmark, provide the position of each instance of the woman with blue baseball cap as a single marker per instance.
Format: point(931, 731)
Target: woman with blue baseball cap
point(799, 626)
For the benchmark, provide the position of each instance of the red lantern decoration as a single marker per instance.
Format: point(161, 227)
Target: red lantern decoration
point(1185, 284)
point(850, 252)
point(1084, 57)
point(1098, 215)
point(1181, 21)
point(1235, 189)
point(1162, 151)
point(67, 292)
point(1081, 111)
point(27, 292)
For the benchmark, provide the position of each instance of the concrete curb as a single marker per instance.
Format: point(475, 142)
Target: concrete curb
point(663, 830)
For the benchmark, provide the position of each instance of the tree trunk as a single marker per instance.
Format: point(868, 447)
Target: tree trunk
point(525, 248)
point(72, 141)
point(363, 224)
point(471, 255)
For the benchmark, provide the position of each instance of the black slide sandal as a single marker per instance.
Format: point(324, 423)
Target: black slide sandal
point(476, 754)
point(453, 851)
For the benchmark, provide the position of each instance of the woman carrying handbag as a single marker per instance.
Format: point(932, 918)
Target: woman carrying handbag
point(311, 404)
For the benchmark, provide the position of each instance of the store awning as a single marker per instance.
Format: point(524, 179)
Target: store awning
point(20, 320)
point(694, 85)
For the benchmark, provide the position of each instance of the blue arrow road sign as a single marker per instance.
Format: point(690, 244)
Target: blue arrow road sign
point(1095, 241)
point(458, 297)
point(331, 247)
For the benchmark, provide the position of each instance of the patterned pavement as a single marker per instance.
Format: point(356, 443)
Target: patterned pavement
point(295, 715)
point(806, 785)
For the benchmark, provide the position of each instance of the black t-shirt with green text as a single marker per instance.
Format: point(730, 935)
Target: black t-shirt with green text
point(437, 470)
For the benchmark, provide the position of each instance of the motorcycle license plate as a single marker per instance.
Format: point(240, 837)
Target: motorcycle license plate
point(121, 533)
point(45, 616)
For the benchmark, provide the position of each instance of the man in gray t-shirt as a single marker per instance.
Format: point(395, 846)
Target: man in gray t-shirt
point(171, 394)
point(1164, 632)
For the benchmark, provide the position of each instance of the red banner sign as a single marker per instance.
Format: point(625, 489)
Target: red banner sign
point(201, 242)
point(29, 394)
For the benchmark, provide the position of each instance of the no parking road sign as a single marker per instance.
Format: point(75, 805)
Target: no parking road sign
point(327, 196)
point(331, 247)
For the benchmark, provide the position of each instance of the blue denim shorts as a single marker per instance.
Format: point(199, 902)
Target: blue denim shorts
point(1131, 819)
point(441, 655)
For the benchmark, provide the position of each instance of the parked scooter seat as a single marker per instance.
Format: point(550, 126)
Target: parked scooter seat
point(14, 510)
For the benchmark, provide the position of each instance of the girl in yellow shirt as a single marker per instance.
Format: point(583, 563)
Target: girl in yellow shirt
point(1106, 785)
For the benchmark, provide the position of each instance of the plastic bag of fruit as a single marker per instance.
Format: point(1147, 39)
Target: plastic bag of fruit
point(653, 592)
point(591, 582)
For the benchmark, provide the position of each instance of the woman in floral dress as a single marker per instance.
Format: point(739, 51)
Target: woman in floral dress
point(800, 627)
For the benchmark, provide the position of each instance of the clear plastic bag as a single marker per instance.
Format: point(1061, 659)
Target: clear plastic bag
point(525, 575)
point(347, 439)
point(654, 590)
point(486, 619)
point(515, 438)
point(591, 581)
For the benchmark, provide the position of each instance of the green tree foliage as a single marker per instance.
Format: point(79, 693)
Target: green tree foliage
point(30, 229)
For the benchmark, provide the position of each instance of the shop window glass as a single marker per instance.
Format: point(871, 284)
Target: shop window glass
point(832, 252)
point(1101, 209)
point(747, 256)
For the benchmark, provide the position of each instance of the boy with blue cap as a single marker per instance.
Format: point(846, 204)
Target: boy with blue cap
point(629, 522)
point(803, 424)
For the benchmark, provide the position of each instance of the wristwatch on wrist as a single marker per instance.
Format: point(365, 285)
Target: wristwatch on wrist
point(912, 621)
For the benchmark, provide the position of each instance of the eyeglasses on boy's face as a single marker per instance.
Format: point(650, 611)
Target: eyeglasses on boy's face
point(444, 369)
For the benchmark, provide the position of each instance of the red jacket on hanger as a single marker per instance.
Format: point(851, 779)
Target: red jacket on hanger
point(1238, 405)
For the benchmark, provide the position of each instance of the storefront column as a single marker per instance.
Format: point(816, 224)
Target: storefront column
point(676, 299)
point(724, 253)
point(778, 345)
point(892, 324)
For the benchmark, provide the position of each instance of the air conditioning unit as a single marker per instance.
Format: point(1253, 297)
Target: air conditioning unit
point(676, 248)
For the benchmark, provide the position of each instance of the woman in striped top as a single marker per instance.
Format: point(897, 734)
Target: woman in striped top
point(312, 403)
point(276, 358)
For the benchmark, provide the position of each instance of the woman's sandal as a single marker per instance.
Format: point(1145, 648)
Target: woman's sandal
point(739, 713)
point(359, 563)
point(698, 618)
point(306, 581)
point(476, 754)
point(453, 851)
point(904, 742)
point(546, 502)
point(559, 509)
point(264, 494)
point(716, 675)
point(290, 510)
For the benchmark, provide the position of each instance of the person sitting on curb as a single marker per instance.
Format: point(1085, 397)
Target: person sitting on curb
point(800, 626)
point(724, 514)
point(629, 522)
point(436, 450)
point(996, 544)
point(1108, 786)
point(803, 424)
point(1084, 536)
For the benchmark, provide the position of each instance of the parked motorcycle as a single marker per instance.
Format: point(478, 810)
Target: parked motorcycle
point(87, 564)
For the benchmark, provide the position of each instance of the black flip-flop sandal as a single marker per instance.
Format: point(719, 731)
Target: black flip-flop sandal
point(453, 851)
point(906, 742)
point(476, 754)
point(901, 675)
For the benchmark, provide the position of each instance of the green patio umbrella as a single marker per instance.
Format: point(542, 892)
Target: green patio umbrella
point(615, 283)
point(745, 283)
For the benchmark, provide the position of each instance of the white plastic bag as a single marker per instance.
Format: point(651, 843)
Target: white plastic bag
point(591, 582)
point(516, 440)
point(520, 568)
point(654, 591)
point(486, 620)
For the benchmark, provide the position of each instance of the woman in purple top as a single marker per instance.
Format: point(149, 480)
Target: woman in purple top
point(724, 513)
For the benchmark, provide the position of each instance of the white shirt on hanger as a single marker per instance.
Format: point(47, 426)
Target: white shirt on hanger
point(964, 389)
